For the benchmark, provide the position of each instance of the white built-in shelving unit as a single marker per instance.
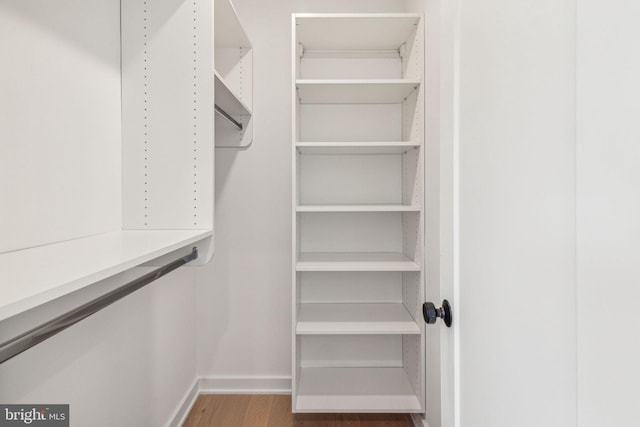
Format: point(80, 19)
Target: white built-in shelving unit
point(233, 71)
point(358, 137)
point(119, 170)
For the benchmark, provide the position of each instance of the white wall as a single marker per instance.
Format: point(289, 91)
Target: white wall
point(244, 295)
point(51, 142)
point(128, 365)
point(608, 202)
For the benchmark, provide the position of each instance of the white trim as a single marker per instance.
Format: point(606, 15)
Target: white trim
point(418, 420)
point(180, 414)
point(248, 385)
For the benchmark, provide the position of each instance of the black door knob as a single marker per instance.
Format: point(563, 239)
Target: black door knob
point(431, 313)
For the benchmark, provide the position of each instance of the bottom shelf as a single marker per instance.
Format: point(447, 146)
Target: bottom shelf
point(355, 390)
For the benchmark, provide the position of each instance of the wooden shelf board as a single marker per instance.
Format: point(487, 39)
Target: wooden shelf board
point(227, 27)
point(358, 208)
point(38, 275)
point(355, 261)
point(368, 31)
point(356, 148)
point(227, 99)
point(355, 390)
point(356, 91)
point(347, 319)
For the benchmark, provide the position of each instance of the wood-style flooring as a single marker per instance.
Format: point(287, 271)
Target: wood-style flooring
point(243, 410)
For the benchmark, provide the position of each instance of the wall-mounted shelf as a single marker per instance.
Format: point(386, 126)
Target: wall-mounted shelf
point(349, 319)
point(359, 208)
point(364, 31)
point(233, 71)
point(342, 148)
point(355, 261)
point(355, 389)
point(364, 91)
point(39, 275)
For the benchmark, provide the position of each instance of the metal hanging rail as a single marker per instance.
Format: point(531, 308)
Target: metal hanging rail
point(228, 117)
point(26, 340)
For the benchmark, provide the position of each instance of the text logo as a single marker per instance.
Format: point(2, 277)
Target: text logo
point(34, 415)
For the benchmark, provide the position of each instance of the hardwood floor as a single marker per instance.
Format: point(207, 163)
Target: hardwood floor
point(243, 410)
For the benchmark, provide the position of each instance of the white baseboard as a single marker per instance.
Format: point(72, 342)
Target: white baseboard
point(180, 414)
point(418, 420)
point(245, 385)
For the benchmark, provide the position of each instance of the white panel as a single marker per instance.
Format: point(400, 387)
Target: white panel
point(350, 179)
point(319, 351)
point(608, 208)
point(350, 232)
point(350, 65)
point(167, 115)
point(59, 120)
point(361, 122)
point(516, 171)
point(351, 287)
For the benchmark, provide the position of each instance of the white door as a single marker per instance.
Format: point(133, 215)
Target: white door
point(543, 175)
point(508, 260)
point(608, 212)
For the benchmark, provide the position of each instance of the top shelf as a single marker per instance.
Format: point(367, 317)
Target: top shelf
point(227, 27)
point(41, 274)
point(362, 31)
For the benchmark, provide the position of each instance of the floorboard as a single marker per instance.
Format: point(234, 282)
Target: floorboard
point(243, 410)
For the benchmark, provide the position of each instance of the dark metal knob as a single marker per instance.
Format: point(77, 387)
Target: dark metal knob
point(431, 313)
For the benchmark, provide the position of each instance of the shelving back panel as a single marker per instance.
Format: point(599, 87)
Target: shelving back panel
point(167, 90)
point(350, 122)
point(351, 65)
point(350, 232)
point(351, 287)
point(321, 351)
point(352, 179)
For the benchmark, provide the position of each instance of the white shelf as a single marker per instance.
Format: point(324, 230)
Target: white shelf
point(345, 319)
point(35, 276)
point(227, 27)
point(227, 99)
point(368, 31)
point(355, 390)
point(358, 208)
point(355, 261)
point(363, 91)
point(356, 148)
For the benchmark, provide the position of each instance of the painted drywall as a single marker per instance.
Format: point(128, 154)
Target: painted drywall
point(244, 294)
point(51, 143)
